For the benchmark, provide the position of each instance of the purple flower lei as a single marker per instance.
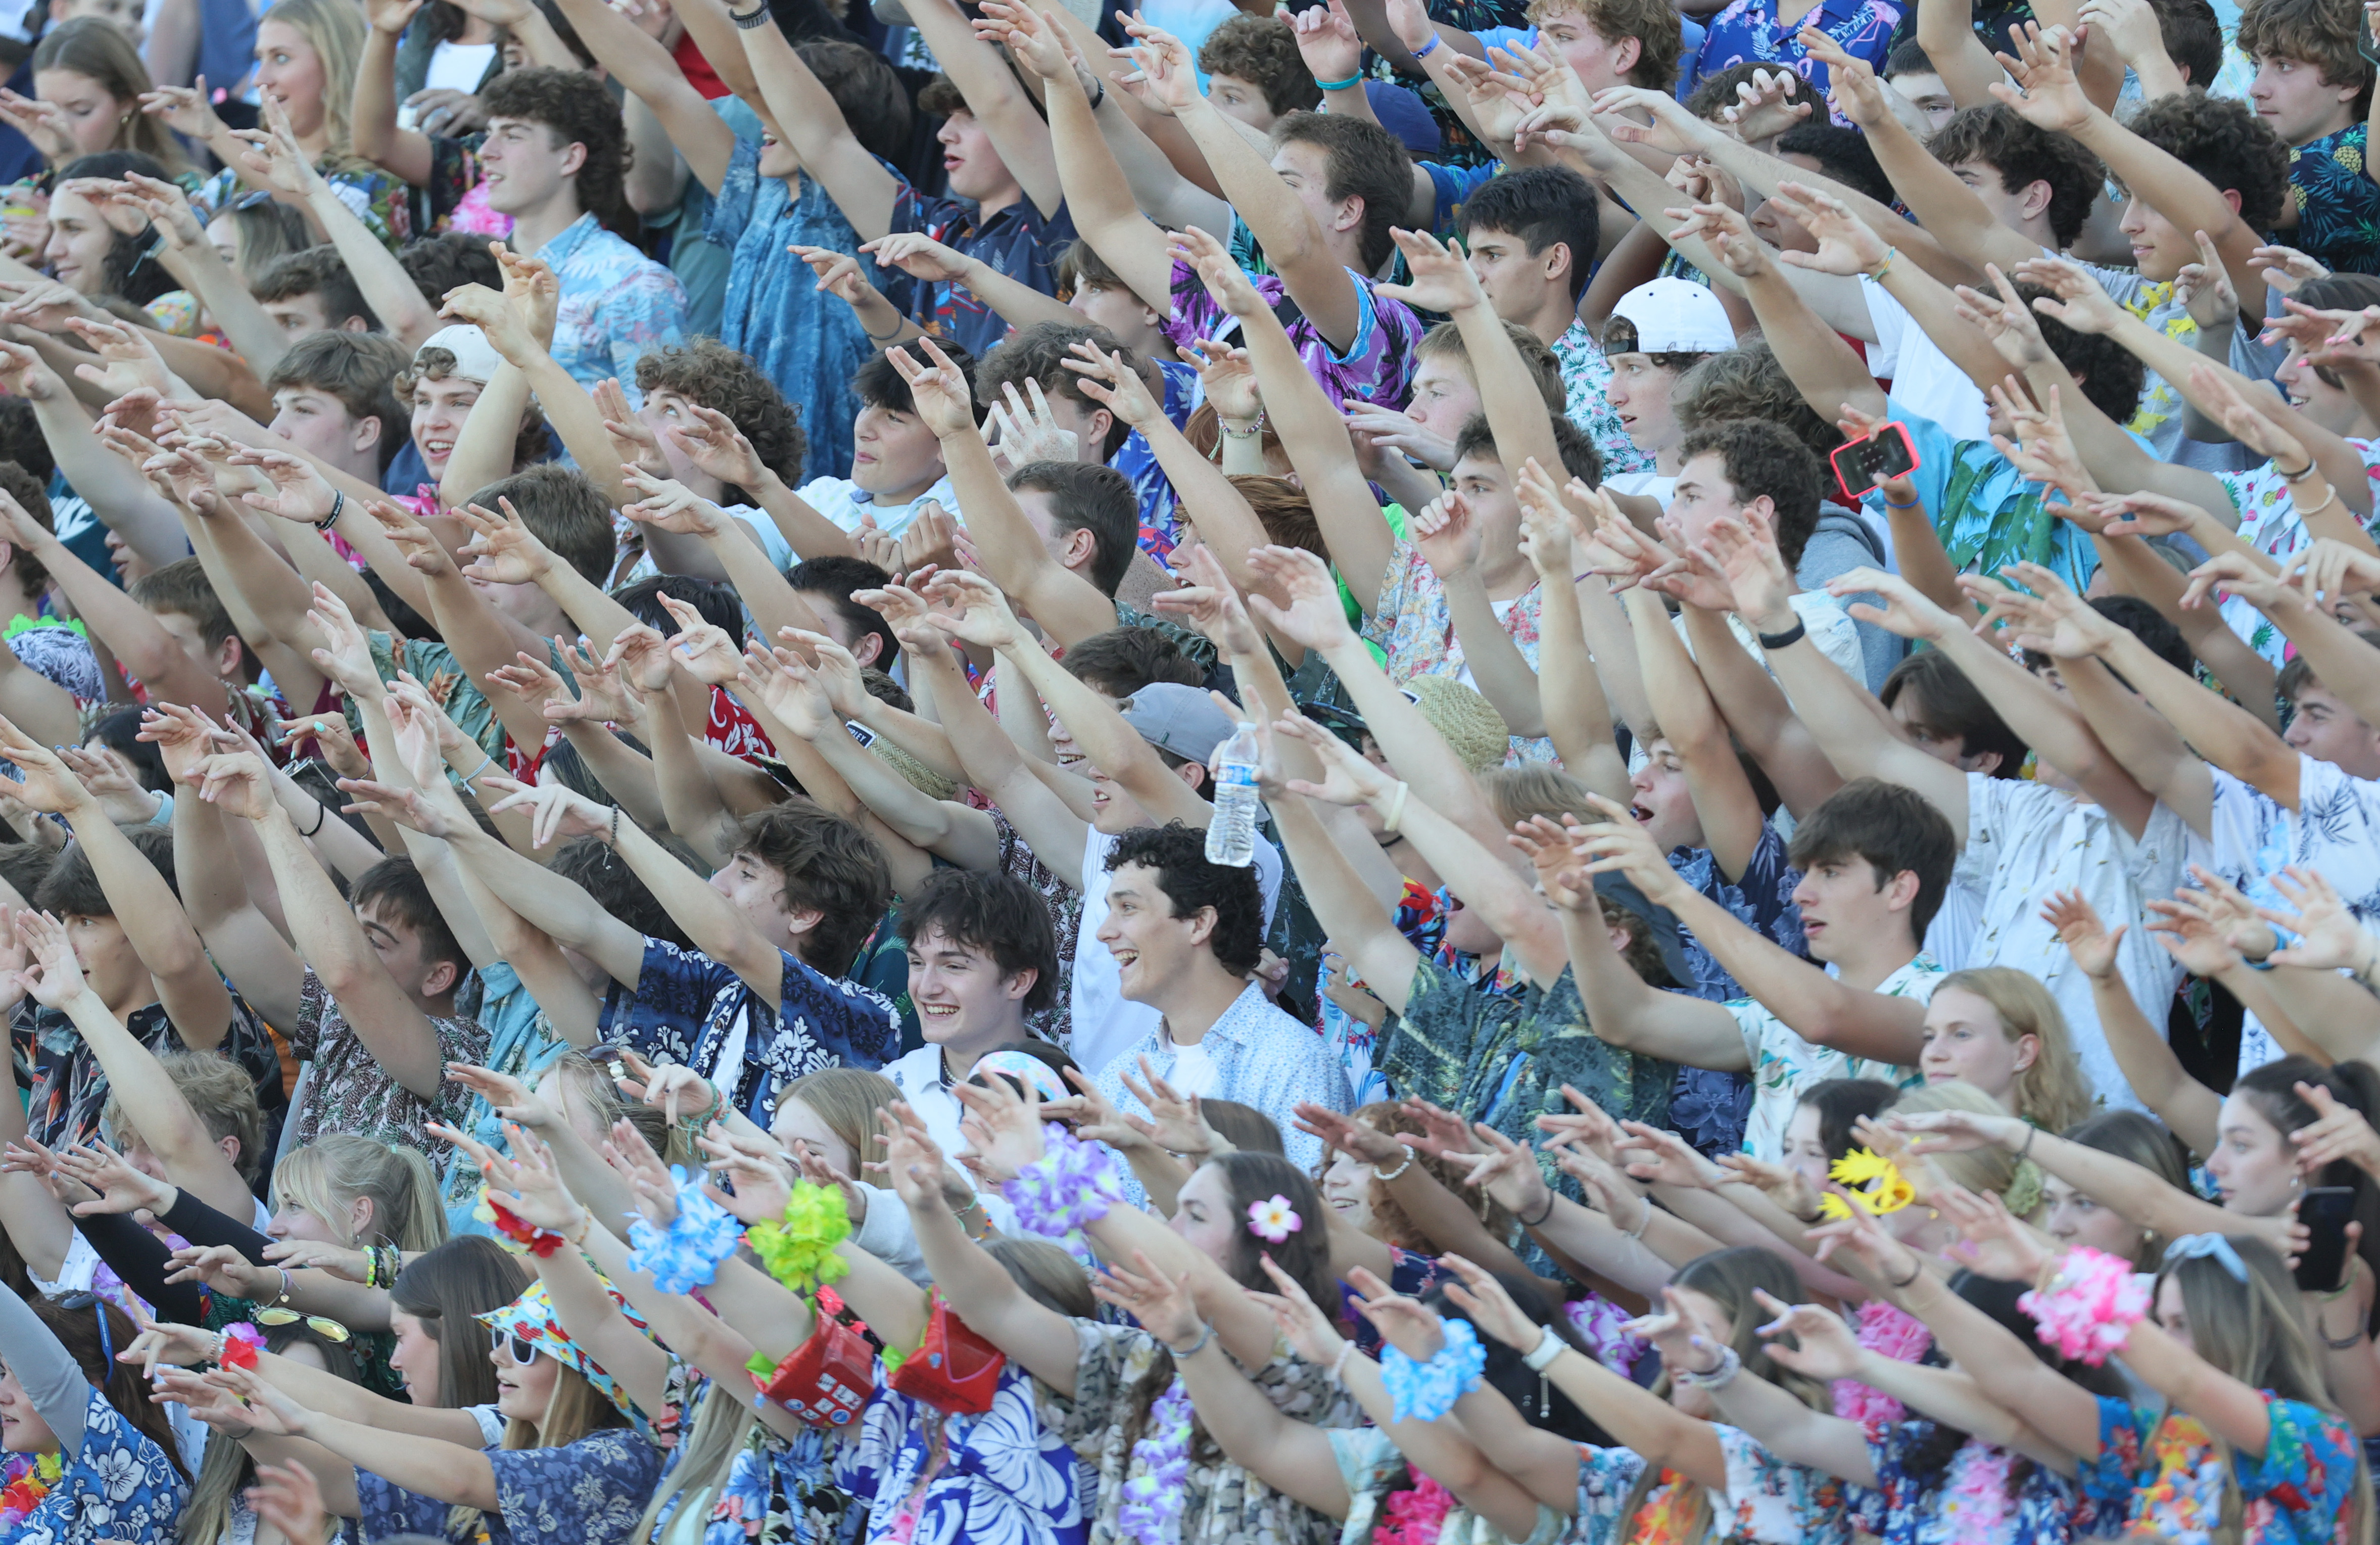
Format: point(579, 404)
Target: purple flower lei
point(1159, 1471)
point(1073, 1183)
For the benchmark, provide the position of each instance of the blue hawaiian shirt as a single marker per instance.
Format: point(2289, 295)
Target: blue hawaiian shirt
point(810, 344)
point(1018, 241)
point(1984, 1495)
point(1159, 530)
point(1708, 1107)
point(521, 1042)
point(2338, 202)
point(1749, 32)
point(590, 1493)
point(998, 1478)
point(695, 1011)
point(120, 1485)
point(2168, 1475)
point(616, 304)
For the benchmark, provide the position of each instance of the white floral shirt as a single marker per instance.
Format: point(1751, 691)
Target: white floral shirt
point(2270, 523)
point(1783, 1064)
point(1767, 1501)
point(1586, 384)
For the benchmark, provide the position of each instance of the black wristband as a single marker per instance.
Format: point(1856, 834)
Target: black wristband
point(758, 16)
point(338, 503)
point(1791, 635)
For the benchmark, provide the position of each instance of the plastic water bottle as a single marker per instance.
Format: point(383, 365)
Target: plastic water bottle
point(1231, 835)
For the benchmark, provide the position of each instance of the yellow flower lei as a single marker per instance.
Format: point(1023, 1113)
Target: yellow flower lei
point(799, 1250)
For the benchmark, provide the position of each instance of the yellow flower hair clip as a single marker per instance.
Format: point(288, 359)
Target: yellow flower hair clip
point(1873, 1182)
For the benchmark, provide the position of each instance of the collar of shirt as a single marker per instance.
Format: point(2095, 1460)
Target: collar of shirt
point(1232, 1030)
point(573, 236)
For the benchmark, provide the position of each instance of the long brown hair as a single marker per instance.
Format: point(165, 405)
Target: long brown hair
point(1390, 1220)
point(99, 50)
point(77, 1330)
point(467, 1275)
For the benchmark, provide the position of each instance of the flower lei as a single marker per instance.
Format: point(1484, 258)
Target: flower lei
point(513, 1232)
point(1979, 1494)
point(1415, 1518)
point(685, 1255)
point(241, 1342)
point(1603, 1325)
point(799, 1250)
point(1886, 1331)
point(31, 1481)
point(1159, 1472)
point(2089, 1308)
point(1424, 1392)
point(1070, 1186)
point(1874, 1183)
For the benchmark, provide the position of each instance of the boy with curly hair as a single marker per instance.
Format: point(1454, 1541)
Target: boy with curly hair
point(2314, 87)
point(554, 159)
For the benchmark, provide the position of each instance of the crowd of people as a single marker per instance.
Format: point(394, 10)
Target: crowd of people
point(1417, 772)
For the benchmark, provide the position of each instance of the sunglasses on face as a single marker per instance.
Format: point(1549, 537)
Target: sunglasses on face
point(519, 1348)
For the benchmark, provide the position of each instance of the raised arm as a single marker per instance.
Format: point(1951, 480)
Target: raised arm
point(807, 113)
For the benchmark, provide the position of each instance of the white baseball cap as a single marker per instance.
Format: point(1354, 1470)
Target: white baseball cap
point(475, 358)
point(1677, 316)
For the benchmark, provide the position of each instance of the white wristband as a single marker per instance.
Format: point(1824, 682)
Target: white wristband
point(1549, 1346)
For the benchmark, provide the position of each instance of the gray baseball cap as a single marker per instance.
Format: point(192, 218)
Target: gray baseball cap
point(1183, 719)
point(1622, 892)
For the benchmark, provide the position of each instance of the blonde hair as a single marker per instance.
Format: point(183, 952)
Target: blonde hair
point(722, 1425)
point(846, 1099)
point(574, 1409)
point(1977, 1169)
point(2054, 1094)
point(329, 1174)
point(334, 30)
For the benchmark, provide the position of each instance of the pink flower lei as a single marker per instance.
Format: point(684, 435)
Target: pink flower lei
point(2090, 1306)
point(1416, 1516)
point(1886, 1331)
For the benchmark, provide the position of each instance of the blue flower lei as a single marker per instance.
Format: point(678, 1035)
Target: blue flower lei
point(1159, 1472)
point(1424, 1392)
point(687, 1254)
point(1070, 1186)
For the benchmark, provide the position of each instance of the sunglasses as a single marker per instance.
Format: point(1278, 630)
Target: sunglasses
point(329, 1329)
point(522, 1350)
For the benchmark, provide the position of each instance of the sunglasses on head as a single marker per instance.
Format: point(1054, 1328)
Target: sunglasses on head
point(329, 1329)
point(522, 1350)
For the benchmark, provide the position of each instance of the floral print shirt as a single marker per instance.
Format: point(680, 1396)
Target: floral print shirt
point(1019, 242)
point(2338, 202)
point(1783, 1064)
point(1378, 366)
point(1985, 1495)
point(1709, 1106)
point(590, 1493)
point(70, 1088)
point(1414, 624)
point(2269, 522)
point(1586, 380)
point(2168, 1475)
point(1767, 1502)
point(1122, 1369)
point(695, 1011)
point(807, 342)
point(616, 304)
point(118, 1486)
point(350, 1091)
point(1749, 32)
point(1004, 1478)
point(1373, 1467)
point(381, 200)
point(1150, 487)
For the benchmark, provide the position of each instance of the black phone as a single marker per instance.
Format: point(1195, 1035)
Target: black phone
point(2324, 1210)
point(1860, 465)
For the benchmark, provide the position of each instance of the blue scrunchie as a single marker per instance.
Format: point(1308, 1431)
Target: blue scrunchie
point(1424, 1392)
point(687, 1255)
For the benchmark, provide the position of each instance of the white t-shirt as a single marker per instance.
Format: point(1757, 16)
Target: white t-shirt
point(1783, 1064)
point(1105, 1021)
point(1194, 1069)
point(1924, 379)
point(1653, 485)
point(454, 67)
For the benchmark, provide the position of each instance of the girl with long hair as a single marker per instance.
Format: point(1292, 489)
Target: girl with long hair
point(1239, 1218)
point(2002, 1031)
point(307, 53)
point(88, 84)
point(63, 1396)
point(2248, 1445)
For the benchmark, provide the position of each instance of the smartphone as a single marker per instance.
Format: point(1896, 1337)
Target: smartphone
point(1860, 465)
point(2324, 1210)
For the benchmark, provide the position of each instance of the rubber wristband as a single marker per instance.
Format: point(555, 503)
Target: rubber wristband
point(338, 503)
point(1351, 81)
point(1549, 1346)
point(1423, 52)
point(1786, 640)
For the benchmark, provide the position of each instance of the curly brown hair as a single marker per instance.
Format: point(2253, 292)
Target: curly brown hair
point(574, 107)
point(1262, 51)
point(2326, 36)
point(1390, 1222)
point(2224, 141)
point(1747, 381)
point(708, 372)
point(529, 445)
point(1660, 38)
